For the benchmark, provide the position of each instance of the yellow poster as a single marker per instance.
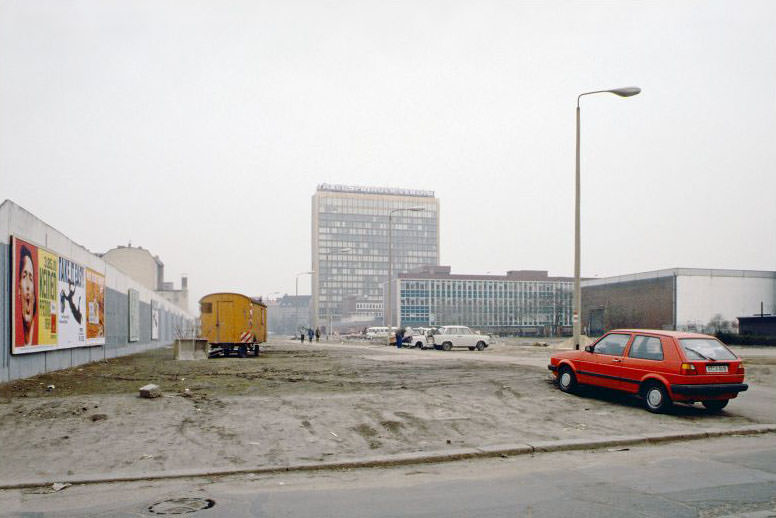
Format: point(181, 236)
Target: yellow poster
point(47, 296)
point(95, 307)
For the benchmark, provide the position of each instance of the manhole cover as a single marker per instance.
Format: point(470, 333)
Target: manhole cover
point(181, 505)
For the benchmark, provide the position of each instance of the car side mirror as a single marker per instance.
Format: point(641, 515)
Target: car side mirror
point(589, 348)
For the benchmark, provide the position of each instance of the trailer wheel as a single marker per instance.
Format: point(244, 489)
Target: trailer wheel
point(243, 351)
point(255, 349)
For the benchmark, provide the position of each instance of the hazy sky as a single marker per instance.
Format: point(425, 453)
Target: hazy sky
point(199, 130)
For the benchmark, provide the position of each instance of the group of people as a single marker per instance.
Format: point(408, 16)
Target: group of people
point(310, 333)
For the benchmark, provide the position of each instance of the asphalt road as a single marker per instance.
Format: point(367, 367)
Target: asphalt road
point(730, 476)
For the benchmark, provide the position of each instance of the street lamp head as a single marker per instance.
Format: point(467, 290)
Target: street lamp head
point(628, 91)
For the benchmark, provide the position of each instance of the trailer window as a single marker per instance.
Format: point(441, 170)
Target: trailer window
point(206, 307)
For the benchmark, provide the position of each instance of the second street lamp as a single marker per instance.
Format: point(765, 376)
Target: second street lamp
point(627, 91)
point(388, 308)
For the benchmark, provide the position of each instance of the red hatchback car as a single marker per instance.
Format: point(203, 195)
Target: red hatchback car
point(660, 366)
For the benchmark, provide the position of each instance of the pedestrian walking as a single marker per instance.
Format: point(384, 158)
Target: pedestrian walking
point(399, 337)
point(301, 336)
point(317, 334)
point(310, 334)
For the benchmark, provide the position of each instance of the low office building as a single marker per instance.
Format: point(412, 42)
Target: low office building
point(682, 299)
point(525, 302)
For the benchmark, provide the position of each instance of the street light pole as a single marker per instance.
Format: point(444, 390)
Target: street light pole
point(577, 312)
point(388, 308)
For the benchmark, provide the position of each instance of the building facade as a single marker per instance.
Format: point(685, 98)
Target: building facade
point(682, 299)
point(350, 248)
point(288, 314)
point(148, 270)
point(526, 302)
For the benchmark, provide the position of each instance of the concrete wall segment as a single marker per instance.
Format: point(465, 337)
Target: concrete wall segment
point(5, 311)
point(14, 220)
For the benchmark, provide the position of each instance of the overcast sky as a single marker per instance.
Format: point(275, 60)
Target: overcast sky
point(200, 130)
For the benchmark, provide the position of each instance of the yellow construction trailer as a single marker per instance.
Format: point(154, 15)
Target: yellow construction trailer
point(233, 323)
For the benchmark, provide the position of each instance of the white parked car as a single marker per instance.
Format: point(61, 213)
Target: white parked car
point(377, 333)
point(419, 337)
point(447, 337)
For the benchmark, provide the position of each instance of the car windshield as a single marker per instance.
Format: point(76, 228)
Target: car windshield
point(705, 349)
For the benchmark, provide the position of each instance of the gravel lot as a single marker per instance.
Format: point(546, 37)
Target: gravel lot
point(306, 403)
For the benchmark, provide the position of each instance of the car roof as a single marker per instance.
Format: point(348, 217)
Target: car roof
point(661, 332)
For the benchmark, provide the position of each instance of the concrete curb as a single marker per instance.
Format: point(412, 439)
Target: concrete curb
point(403, 459)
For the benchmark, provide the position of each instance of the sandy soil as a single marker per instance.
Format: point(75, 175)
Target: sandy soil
point(305, 403)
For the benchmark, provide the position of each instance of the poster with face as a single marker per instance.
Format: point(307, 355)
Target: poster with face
point(71, 327)
point(49, 301)
point(25, 295)
point(95, 308)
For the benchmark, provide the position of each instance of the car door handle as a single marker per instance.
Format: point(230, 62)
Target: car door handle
point(616, 360)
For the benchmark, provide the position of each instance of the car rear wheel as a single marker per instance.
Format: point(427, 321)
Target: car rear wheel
point(656, 398)
point(715, 405)
point(471, 348)
point(480, 346)
point(419, 345)
point(447, 346)
point(567, 381)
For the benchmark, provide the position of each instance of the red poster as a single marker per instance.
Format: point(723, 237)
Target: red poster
point(25, 286)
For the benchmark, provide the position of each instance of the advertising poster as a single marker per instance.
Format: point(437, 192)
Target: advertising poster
point(154, 320)
point(71, 328)
point(134, 315)
point(49, 300)
point(48, 268)
point(95, 307)
point(25, 296)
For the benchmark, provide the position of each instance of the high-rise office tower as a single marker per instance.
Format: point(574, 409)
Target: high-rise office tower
point(350, 248)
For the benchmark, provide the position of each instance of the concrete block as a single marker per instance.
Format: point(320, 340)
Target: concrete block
point(150, 391)
point(190, 349)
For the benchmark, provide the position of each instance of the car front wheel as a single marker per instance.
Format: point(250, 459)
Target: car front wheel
point(567, 381)
point(480, 346)
point(447, 346)
point(656, 398)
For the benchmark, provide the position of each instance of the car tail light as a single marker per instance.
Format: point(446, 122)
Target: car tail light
point(741, 369)
point(689, 368)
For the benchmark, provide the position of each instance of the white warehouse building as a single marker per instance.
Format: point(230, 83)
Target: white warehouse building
point(683, 299)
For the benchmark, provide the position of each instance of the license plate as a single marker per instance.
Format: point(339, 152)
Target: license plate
point(716, 368)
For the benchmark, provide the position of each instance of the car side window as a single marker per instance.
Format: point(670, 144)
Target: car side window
point(647, 348)
point(612, 344)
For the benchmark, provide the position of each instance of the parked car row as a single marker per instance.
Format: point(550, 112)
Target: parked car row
point(445, 338)
point(660, 367)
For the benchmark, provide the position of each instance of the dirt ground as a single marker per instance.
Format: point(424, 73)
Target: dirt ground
point(305, 403)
